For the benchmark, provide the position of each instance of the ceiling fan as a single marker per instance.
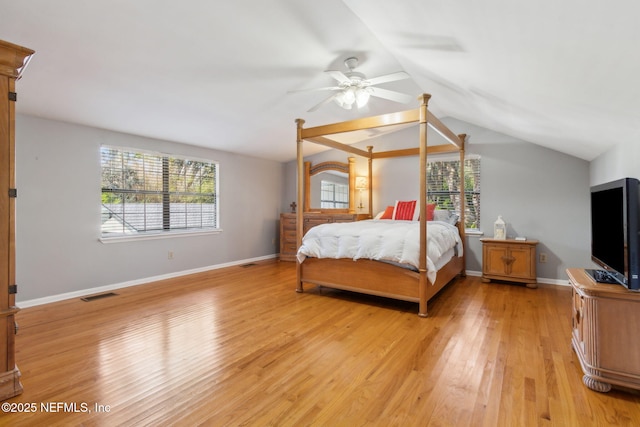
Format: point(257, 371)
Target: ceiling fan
point(354, 89)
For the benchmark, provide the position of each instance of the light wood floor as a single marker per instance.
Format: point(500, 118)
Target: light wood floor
point(238, 346)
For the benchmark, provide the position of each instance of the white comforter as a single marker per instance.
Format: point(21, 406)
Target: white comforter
point(388, 240)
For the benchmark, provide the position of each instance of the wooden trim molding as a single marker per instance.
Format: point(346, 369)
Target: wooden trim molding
point(13, 59)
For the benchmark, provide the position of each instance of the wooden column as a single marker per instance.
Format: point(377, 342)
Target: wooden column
point(423, 205)
point(370, 161)
point(13, 59)
point(300, 202)
point(463, 200)
point(352, 184)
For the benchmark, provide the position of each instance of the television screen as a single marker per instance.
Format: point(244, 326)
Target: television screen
point(607, 228)
point(615, 229)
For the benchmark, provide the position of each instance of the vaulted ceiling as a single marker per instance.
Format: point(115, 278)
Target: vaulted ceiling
point(561, 74)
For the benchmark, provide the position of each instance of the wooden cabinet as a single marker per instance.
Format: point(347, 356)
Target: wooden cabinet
point(288, 245)
point(606, 324)
point(288, 221)
point(509, 260)
point(12, 61)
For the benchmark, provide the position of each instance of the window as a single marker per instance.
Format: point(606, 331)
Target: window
point(145, 193)
point(443, 184)
point(334, 195)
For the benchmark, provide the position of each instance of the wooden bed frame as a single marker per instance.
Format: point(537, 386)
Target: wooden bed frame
point(374, 277)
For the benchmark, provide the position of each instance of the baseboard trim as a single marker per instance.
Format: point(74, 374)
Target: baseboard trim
point(100, 289)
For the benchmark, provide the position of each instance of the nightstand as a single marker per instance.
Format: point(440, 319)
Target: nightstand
point(509, 260)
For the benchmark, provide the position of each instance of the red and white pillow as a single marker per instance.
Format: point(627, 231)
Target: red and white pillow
point(408, 210)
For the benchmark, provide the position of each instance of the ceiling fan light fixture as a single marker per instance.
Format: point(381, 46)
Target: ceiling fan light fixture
point(362, 97)
point(355, 89)
point(352, 95)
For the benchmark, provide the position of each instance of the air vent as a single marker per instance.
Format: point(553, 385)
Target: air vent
point(251, 264)
point(98, 296)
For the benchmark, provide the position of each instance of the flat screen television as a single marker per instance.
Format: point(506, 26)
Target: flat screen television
point(615, 228)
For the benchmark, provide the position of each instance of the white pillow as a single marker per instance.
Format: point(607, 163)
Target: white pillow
point(441, 215)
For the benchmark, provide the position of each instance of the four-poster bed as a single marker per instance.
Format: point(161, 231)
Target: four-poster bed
point(368, 275)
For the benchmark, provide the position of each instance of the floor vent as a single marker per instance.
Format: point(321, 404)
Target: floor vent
point(251, 264)
point(98, 296)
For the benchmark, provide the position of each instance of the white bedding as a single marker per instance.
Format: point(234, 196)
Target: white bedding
point(381, 240)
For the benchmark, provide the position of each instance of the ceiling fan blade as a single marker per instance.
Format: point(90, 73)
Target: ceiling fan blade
point(400, 75)
point(391, 95)
point(315, 89)
point(339, 76)
point(323, 102)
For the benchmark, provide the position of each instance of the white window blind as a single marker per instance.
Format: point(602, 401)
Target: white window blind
point(443, 186)
point(145, 192)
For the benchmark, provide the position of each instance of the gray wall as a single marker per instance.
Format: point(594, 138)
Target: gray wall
point(58, 212)
point(542, 194)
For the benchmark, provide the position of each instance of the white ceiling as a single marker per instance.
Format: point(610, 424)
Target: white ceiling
point(561, 74)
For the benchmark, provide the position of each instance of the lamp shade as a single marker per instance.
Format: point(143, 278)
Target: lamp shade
point(362, 183)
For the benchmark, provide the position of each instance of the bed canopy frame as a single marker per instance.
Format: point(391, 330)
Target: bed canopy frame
point(367, 276)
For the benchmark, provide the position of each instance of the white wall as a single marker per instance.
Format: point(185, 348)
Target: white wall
point(58, 212)
point(541, 193)
point(621, 161)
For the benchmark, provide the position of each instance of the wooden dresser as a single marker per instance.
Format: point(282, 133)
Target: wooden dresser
point(605, 327)
point(12, 60)
point(510, 260)
point(288, 247)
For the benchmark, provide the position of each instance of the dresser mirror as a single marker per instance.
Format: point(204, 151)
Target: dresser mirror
point(338, 180)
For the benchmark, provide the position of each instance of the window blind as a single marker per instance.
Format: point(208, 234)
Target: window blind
point(146, 192)
point(443, 186)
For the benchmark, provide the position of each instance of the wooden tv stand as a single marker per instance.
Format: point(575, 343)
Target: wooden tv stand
point(606, 332)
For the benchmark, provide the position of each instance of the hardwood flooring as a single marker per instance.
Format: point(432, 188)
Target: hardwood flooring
point(238, 346)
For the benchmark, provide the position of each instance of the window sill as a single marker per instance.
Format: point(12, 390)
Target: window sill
point(473, 232)
point(155, 236)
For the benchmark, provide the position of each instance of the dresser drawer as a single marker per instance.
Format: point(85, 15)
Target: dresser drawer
point(344, 218)
point(290, 247)
point(288, 223)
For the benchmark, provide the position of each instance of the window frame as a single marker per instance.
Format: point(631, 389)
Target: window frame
point(165, 195)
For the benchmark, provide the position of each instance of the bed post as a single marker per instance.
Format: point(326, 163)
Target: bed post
point(352, 184)
point(422, 260)
point(299, 216)
point(370, 160)
point(307, 187)
point(463, 203)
